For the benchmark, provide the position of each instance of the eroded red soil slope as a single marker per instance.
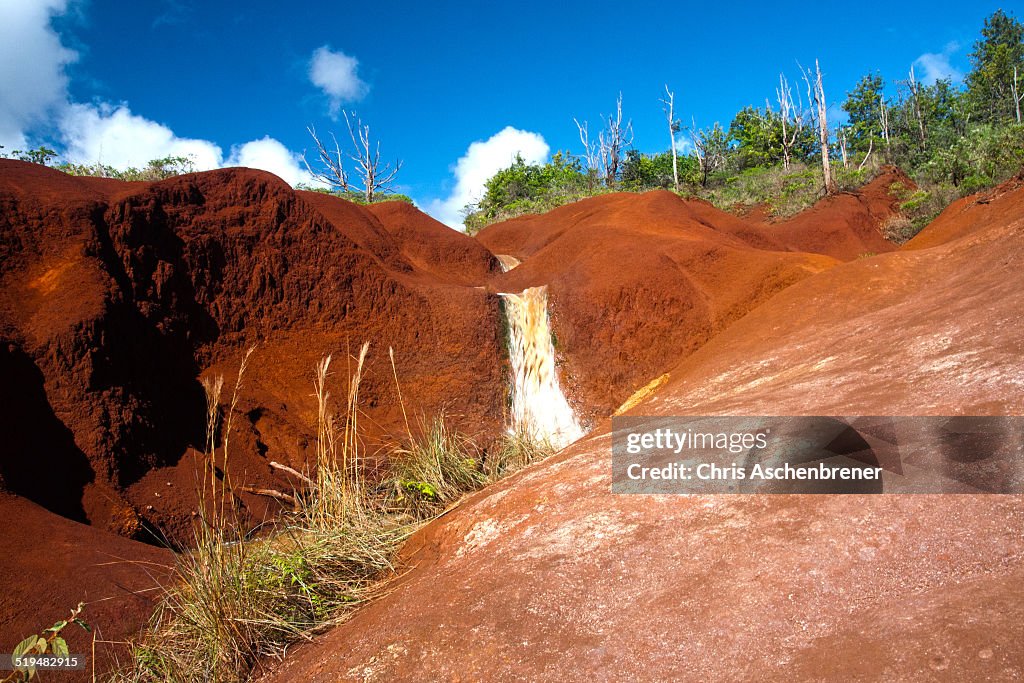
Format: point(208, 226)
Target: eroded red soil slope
point(638, 281)
point(50, 564)
point(548, 576)
point(116, 298)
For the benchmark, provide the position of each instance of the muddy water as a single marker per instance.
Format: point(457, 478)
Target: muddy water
point(539, 408)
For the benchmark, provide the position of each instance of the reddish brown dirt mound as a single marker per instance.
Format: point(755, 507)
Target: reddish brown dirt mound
point(948, 318)
point(845, 226)
point(548, 576)
point(433, 247)
point(638, 281)
point(967, 215)
point(116, 298)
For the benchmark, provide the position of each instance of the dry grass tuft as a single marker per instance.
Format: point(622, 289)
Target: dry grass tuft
point(237, 601)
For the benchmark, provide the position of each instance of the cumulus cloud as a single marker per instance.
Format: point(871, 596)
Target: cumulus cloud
point(116, 137)
point(34, 98)
point(334, 72)
point(269, 154)
point(482, 160)
point(936, 66)
point(33, 82)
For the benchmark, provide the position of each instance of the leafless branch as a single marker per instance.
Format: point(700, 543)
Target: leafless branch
point(372, 176)
point(788, 111)
point(673, 128)
point(332, 168)
point(816, 95)
point(613, 141)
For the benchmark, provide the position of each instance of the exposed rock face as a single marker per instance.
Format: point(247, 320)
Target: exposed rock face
point(548, 576)
point(637, 282)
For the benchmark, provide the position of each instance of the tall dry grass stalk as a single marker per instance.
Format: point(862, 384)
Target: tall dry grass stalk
point(337, 491)
point(237, 601)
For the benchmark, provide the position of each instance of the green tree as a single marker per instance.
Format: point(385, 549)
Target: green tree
point(758, 138)
point(998, 52)
point(647, 171)
point(864, 106)
point(523, 186)
point(40, 155)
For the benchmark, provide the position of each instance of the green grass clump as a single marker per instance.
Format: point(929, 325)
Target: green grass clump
point(432, 472)
point(784, 192)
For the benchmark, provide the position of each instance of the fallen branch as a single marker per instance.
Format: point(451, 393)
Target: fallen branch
point(271, 493)
point(293, 472)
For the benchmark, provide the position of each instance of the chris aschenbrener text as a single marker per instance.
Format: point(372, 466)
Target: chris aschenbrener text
point(669, 440)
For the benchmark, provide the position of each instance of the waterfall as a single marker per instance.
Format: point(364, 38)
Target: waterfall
point(539, 408)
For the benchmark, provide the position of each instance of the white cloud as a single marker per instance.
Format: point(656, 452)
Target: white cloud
point(32, 60)
point(684, 145)
point(936, 66)
point(481, 161)
point(269, 154)
point(34, 98)
point(116, 137)
point(335, 74)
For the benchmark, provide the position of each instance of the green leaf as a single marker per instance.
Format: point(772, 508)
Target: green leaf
point(82, 623)
point(56, 628)
point(25, 645)
point(60, 647)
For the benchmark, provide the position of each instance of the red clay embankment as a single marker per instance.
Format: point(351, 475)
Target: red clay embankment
point(637, 282)
point(547, 576)
point(117, 298)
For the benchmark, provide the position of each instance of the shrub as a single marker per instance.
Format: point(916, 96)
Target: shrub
point(357, 197)
point(48, 643)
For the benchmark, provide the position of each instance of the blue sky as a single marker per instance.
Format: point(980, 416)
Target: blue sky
point(237, 83)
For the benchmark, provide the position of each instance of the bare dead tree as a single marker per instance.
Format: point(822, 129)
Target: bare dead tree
point(788, 110)
point(883, 119)
point(613, 141)
point(373, 177)
point(1017, 97)
point(591, 156)
point(700, 151)
point(841, 137)
point(707, 148)
point(816, 93)
point(332, 168)
point(871, 146)
point(915, 94)
point(673, 128)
